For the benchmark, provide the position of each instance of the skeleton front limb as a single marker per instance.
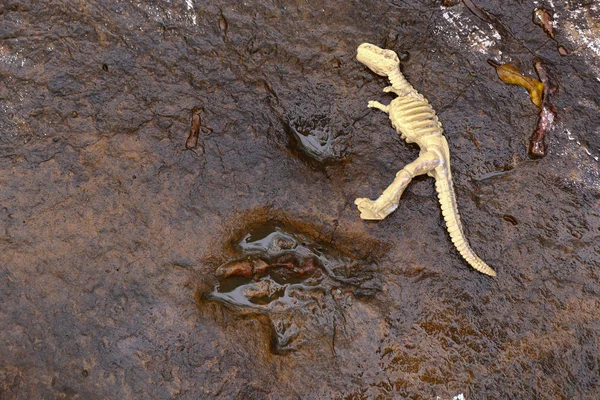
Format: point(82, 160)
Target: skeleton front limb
point(379, 106)
point(389, 199)
point(391, 89)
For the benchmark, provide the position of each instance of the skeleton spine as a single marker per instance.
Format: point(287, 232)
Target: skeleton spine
point(399, 82)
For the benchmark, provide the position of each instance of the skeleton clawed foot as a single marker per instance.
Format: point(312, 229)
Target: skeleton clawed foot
point(374, 209)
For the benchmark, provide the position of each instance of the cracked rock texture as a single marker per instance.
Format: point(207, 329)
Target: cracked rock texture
point(111, 231)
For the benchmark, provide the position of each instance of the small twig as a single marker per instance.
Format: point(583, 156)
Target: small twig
point(486, 17)
point(537, 148)
point(192, 140)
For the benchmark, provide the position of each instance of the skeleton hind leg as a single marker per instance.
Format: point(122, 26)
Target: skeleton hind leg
point(389, 199)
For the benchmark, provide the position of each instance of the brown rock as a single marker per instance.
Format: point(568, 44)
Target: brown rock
point(239, 268)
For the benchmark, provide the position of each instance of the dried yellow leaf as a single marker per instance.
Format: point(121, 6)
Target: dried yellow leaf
point(508, 73)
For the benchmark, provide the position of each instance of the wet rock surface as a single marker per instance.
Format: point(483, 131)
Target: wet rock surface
point(111, 231)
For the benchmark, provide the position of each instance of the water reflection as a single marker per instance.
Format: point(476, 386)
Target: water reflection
point(289, 277)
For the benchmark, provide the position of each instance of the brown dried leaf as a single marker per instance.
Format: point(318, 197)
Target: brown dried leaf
point(510, 74)
point(544, 19)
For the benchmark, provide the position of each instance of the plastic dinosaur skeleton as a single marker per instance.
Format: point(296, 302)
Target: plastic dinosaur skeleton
point(416, 122)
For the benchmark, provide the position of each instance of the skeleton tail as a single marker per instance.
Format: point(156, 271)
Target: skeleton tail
point(445, 190)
